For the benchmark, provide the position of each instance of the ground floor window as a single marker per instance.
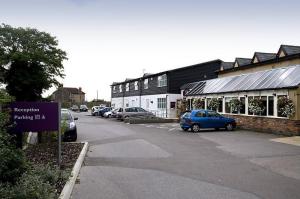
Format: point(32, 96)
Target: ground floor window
point(280, 106)
point(227, 105)
point(270, 105)
point(220, 105)
point(161, 103)
point(243, 105)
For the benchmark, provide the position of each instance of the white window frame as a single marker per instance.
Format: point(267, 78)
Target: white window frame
point(120, 88)
point(162, 80)
point(114, 89)
point(127, 86)
point(273, 93)
point(162, 103)
point(146, 83)
point(136, 85)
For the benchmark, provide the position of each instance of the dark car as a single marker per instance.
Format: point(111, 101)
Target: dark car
point(68, 125)
point(83, 108)
point(198, 119)
point(104, 110)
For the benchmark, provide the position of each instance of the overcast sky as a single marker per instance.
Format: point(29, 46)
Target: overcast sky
point(110, 40)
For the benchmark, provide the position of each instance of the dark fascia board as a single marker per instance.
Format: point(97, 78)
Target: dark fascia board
point(166, 72)
point(277, 59)
point(240, 91)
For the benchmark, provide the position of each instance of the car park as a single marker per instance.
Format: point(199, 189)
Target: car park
point(68, 125)
point(134, 112)
point(83, 108)
point(198, 119)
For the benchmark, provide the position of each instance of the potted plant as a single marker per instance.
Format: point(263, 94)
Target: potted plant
point(256, 106)
point(286, 106)
point(235, 104)
point(198, 103)
point(213, 104)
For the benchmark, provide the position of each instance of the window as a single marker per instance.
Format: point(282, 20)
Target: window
point(146, 84)
point(227, 105)
point(200, 114)
point(212, 114)
point(120, 88)
point(220, 106)
point(208, 103)
point(279, 106)
point(136, 85)
point(270, 105)
point(161, 103)
point(249, 99)
point(264, 104)
point(114, 89)
point(162, 80)
point(127, 86)
point(243, 105)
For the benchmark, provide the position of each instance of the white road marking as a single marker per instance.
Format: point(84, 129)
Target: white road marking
point(172, 129)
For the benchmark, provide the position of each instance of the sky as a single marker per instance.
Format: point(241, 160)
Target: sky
point(110, 40)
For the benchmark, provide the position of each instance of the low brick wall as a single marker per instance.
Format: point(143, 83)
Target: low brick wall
point(268, 125)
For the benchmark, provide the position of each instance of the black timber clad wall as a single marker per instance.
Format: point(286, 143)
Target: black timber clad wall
point(153, 89)
point(131, 91)
point(198, 72)
point(117, 94)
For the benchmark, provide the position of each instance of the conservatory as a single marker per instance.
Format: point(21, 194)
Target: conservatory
point(265, 100)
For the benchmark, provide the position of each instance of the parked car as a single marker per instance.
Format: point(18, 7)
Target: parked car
point(134, 112)
point(74, 108)
point(94, 109)
point(112, 113)
point(198, 119)
point(68, 125)
point(104, 110)
point(83, 108)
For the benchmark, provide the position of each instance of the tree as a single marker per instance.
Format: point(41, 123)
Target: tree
point(30, 62)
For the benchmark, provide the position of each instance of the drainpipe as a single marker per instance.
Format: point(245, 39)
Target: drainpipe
point(166, 106)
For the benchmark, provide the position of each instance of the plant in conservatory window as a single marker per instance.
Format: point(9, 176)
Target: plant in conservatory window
point(235, 105)
point(213, 104)
point(198, 103)
point(256, 106)
point(286, 107)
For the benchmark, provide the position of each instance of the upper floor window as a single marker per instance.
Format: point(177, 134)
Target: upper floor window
point(136, 85)
point(162, 80)
point(120, 88)
point(127, 86)
point(146, 84)
point(114, 89)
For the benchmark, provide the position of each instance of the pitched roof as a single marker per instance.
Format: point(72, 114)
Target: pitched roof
point(243, 61)
point(290, 50)
point(73, 90)
point(227, 65)
point(188, 85)
point(278, 78)
point(264, 56)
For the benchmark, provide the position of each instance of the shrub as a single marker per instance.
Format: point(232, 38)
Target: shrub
point(286, 106)
point(235, 104)
point(198, 103)
point(213, 104)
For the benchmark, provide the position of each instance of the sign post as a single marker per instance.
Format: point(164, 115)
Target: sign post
point(37, 117)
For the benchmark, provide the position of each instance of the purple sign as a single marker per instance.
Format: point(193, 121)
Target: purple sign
point(35, 116)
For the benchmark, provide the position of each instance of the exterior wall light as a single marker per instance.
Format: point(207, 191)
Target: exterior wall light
point(274, 94)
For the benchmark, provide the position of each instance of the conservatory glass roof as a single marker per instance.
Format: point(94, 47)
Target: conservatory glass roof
point(263, 80)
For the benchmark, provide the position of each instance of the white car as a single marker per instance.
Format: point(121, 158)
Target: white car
point(94, 110)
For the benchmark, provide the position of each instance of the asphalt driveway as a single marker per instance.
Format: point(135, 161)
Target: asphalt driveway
point(161, 161)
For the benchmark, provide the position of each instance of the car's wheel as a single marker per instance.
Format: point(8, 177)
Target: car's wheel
point(217, 129)
point(185, 129)
point(195, 128)
point(229, 127)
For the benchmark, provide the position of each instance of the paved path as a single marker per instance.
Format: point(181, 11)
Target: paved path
point(159, 161)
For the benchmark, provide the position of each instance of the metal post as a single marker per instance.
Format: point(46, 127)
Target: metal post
point(59, 135)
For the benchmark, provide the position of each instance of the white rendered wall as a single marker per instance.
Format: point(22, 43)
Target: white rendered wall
point(149, 103)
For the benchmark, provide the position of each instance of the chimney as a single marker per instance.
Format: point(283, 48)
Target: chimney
point(80, 89)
